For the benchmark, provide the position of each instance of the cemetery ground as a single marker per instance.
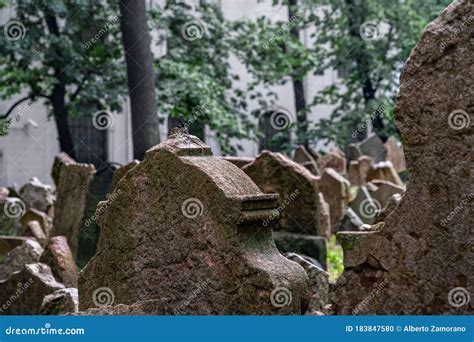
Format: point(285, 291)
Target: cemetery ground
point(372, 228)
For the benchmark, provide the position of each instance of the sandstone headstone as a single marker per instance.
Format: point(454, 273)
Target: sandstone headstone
point(373, 147)
point(60, 160)
point(28, 252)
point(390, 206)
point(187, 234)
point(336, 160)
point(335, 189)
point(297, 187)
point(395, 154)
point(324, 216)
point(23, 292)
point(57, 255)
point(120, 172)
point(303, 157)
point(34, 229)
point(365, 206)
point(240, 162)
point(60, 302)
point(42, 218)
point(311, 246)
point(384, 171)
point(72, 188)
point(37, 195)
point(426, 259)
point(350, 222)
point(385, 190)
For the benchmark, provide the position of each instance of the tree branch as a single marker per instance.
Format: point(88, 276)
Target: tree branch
point(23, 99)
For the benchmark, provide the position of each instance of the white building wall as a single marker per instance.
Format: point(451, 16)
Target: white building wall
point(27, 151)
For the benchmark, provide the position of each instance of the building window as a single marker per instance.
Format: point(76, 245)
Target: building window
point(90, 143)
point(274, 129)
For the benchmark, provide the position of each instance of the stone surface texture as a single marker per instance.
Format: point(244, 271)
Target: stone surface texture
point(424, 251)
point(186, 236)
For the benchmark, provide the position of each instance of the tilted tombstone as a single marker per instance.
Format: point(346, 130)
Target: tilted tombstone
point(297, 187)
point(73, 180)
point(304, 157)
point(424, 253)
point(186, 233)
point(335, 189)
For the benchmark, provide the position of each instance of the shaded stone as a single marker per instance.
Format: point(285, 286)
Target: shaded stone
point(187, 234)
point(37, 195)
point(358, 169)
point(390, 206)
point(34, 229)
point(385, 190)
point(324, 216)
point(60, 159)
point(72, 188)
point(42, 218)
point(60, 302)
point(297, 187)
point(366, 207)
point(120, 172)
point(318, 282)
point(28, 252)
point(303, 156)
point(11, 210)
point(336, 160)
point(240, 162)
point(384, 171)
point(311, 246)
point(8, 243)
point(350, 222)
point(395, 154)
point(23, 292)
point(373, 147)
point(58, 257)
point(425, 249)
point(335, 189)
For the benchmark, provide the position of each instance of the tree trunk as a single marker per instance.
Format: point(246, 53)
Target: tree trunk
point(141, 83)
point(61, 118)
point(361, 58)
point(298, 86)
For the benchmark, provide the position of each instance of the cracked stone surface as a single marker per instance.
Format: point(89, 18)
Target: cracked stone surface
point(424, 251)
point(185, 235)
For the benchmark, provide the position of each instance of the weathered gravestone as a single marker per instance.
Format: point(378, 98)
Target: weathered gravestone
point(37, 195)
point(186, 236)
point(304, 157)
point(120, 172)
point(425, 259)
point(72, 180)
point(297, 187)
point(335, 189)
